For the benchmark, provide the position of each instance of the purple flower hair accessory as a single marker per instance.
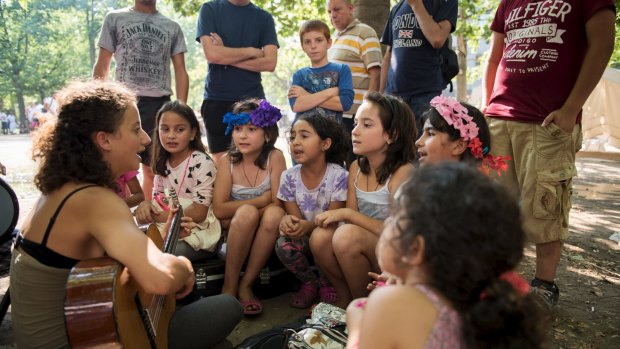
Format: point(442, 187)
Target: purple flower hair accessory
point(265, 115)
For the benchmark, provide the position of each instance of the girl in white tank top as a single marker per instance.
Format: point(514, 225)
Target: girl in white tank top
point(344, 247)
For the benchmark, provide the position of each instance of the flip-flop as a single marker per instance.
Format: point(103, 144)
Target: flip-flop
point(252, 307)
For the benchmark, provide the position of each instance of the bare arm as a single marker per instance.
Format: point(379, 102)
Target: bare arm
point(110, 223)
point(136, 195)
point(267, 63)
point(385, 67)
point(375, 78)
point(101, 70)
point(217, 53)
point(600, 33)
point(278, 165)
point(180, 77)
point(435, 33)
point(490, 70)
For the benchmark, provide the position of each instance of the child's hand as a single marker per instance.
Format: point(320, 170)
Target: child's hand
point(288, 224)
point(301, 228)
point(265, 198)
point(326, 218)
point(381, 280)
point(143, 212)
point(297, 91)
point(187, 223)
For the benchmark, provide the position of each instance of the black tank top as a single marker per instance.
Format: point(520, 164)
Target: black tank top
point(41, 252)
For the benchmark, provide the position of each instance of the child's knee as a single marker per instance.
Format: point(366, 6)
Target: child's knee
point(272, 216)
point(246, 215)
point(346, 239)
point(320, 240)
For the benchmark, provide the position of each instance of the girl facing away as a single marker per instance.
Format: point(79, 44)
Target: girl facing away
point(180, 162)
point(316, 184)
point(245, 196)
point(96, 139)
point(450, 296)
point(382, 140)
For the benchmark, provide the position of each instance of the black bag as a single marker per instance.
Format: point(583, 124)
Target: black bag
point(274, 278)
point(274, 338)
point(449, 63)
point(449, 59)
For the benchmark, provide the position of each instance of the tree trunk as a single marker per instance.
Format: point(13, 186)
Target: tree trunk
point(19, 94)
point(90, 16)
point(373, 12)
point(461, 78)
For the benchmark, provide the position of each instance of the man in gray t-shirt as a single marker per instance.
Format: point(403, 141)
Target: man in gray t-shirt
point(143, 41)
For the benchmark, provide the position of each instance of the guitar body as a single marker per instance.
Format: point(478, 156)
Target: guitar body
point(104, 307)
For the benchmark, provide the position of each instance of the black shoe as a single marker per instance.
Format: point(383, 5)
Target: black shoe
point(547, 292)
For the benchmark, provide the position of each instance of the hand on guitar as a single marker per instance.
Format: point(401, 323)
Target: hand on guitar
point(188, 224)
point(189, 283)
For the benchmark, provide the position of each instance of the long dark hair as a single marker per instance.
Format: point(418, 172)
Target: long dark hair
point(66, 150)
point(397, 120)
point(160, 155)
point(271, 133)
point(440, 124)
point(328, 128)
point(472, 234)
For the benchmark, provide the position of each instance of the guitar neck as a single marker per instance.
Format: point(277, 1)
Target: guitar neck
point(172, 237)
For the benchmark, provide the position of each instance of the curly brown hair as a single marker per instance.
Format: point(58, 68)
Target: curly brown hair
point(65, 150)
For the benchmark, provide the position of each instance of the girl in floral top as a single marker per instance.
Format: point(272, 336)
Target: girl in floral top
point(318, 183)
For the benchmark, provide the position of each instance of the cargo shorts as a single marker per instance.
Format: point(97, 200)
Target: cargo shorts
point(540, 173)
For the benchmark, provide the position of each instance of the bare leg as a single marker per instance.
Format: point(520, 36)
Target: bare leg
point(262, 247)
point(147, 184)
point(354, 248)
point(323, 252)
point(240, 235)
point(547, 260)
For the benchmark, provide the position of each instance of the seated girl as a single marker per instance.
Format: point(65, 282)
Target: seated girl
point(182, 166)
point(453, 240)
point(382, 140)
point(318, 183)
point(245, 196)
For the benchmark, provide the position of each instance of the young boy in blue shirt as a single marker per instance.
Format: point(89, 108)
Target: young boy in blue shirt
point(325, 88)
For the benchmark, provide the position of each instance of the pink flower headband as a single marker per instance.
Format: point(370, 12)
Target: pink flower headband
point(455, 114)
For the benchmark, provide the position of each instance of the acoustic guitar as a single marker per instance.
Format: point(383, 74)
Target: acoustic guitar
point(105, 307)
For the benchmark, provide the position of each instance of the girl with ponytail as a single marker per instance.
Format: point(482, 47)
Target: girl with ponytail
point(453, 239)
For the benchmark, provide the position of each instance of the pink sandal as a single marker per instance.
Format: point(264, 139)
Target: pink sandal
point(305, 296)
point(327, 293)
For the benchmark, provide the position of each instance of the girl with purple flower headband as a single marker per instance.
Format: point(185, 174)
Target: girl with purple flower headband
point(457, 131)
point(244, 199)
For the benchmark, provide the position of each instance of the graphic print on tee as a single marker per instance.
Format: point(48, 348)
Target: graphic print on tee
point(407, 25)
point(143, 60)
point(533, 33)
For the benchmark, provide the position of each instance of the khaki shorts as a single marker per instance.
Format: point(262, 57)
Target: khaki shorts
point(541, 173)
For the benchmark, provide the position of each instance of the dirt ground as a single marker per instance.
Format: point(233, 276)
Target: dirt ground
point(587, 316)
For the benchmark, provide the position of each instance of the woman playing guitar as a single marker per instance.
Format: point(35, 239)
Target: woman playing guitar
point(96, 139)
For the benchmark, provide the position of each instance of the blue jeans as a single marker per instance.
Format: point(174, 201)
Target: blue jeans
point(419, 104)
